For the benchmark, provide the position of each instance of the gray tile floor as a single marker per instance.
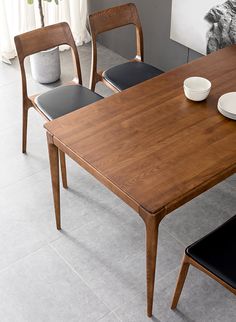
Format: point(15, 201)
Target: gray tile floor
point(94, 269)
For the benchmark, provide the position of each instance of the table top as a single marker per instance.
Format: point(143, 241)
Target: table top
point(149, 144)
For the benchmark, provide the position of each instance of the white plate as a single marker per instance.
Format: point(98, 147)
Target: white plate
point(226, 114)
point(227, 105)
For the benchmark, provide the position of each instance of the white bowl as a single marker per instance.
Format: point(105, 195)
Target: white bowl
point(194, 91)
point(197, 88)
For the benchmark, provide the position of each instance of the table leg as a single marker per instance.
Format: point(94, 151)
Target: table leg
point(152, 223)
point(151, 253)
point(54, 167)
point(63, 169)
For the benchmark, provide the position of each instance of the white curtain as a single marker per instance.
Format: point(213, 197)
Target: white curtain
point(17, 16)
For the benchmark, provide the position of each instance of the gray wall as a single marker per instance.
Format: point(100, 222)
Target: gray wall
point(155, 16)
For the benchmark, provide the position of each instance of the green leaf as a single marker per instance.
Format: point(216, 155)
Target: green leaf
point(32, 1)
point(56, 1)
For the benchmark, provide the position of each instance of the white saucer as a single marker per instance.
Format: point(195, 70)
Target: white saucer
point(227, 105)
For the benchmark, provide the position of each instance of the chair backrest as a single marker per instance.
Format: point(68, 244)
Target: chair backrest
point(42, 39)
point(113, 18)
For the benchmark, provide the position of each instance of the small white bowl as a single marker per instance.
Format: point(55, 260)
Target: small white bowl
point(197, 88)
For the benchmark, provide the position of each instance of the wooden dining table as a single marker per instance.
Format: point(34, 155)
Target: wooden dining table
point(151, 146)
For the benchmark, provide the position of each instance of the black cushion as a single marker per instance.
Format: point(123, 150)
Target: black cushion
point(65, 99)
point(217, 252)
point(129, 74)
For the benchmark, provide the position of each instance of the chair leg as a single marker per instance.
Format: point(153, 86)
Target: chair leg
point(180, 282)
point(54, 167)
point(63, 169)
point(24, 129)
point(92, 85)
point(93, 81)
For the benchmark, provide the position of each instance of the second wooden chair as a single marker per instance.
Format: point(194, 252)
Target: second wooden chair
point(128, 74)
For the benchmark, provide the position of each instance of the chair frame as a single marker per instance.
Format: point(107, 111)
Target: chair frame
point(30, 43)
point(186, 262)
point(107, 20)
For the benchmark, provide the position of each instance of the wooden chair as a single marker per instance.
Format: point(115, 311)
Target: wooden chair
point(215, 255)
point(128, 74)
point(62, 99)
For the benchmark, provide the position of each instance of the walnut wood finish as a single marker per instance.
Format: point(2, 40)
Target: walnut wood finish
point(63, 169)
point(183, 274)
point(54, 167)
point(30, 43)
point(180, 281)
point(107, 20)
point(152, 147)
point(152, 225)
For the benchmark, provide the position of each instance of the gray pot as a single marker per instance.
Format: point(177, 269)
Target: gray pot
point(45, 66)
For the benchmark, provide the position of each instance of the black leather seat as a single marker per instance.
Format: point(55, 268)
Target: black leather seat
point(65, 99)
point(217, 252)
point(129, 74)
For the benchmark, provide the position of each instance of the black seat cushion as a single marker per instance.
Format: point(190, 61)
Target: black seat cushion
point(129, 74)
point(217, 252)
point(65, 99)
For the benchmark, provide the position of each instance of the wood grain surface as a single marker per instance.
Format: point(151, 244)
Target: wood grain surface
point(152, 146)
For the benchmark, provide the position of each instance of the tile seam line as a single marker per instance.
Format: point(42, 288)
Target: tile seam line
point(22, 258)
point(140, 292)
point(175, 238)
point(118, 307)
point(80, 277)
point(70, 231)
point(22, 179)
point(108, 315)
point(162, 278)
point(45, 243)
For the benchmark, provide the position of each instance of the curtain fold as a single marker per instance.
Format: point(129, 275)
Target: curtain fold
point(17, 16)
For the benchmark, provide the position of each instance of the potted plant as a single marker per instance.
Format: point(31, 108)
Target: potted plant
point(45, 65)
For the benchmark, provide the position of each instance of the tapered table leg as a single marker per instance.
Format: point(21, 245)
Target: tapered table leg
point(152, 223)
point(54, 167)
point(63, 169)
point(151, 253)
